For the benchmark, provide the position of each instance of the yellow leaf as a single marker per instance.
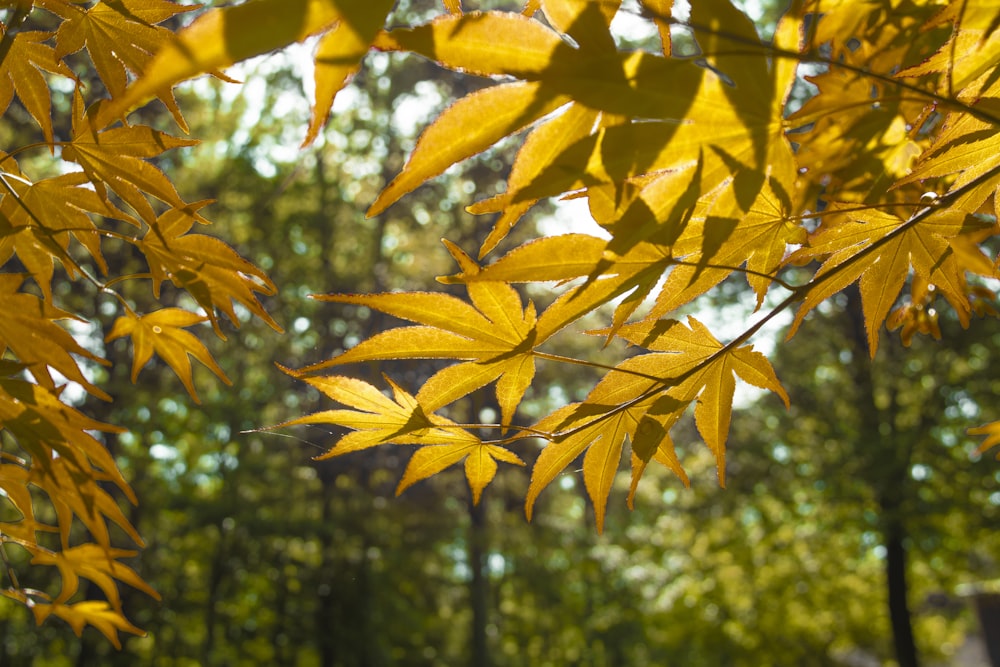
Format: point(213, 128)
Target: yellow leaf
point(339, 53)
point(895, 246)
point(91, 612)
point(469, 126)
point(96, 563)
point(224, 36)
point(992, 433)
point(211, 271)
point(162, 332)
point(540, 147)
point(29, 331)
point(483, 43)
point(493, 331)
point(480, 464)
point(377, 419)
point(20, 73)
point(39, 218)
point(116, 158)
point(121, 37)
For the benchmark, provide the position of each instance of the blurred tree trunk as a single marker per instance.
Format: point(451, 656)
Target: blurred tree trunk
point(479, 583)
point(888, 471)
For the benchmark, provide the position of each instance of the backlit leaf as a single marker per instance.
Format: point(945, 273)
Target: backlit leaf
point(163, 332)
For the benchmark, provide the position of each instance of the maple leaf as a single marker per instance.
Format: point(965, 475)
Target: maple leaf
point(378, 419)
point(38, 219)
point(595, 75)
point(116, 158)
point(568, 256)
point(211, 271)
point(492, 332)
point(98, 564)
point(733, 132)
point(120, 36)
point(893, 246)
point(68, 463)
point(645, 423)
point(89, 612)
point(28, 330)
point(339, 53)
point(539, 147)
point(480, 464)
point(163, 332)
point(403, 420)
point(224, 36)
point(469, 126)
point(20, 73)
point(641, 399)
point(964, 154)
point(992, 433)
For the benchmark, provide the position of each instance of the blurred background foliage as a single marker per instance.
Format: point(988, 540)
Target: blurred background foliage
point(264, 557)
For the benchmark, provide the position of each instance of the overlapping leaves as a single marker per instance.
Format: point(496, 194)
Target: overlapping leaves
point(105, 174)
point(686, 154)
point(689, 163)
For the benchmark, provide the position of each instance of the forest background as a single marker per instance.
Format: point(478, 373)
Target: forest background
point(261, 556)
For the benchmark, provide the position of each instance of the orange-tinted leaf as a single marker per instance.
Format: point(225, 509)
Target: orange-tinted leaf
point(992, 433)
point(211, 271)
point(121, 37)
point(91, 612)
point(99, 565)
point(28, 330)
point(163, 332)
point(116, 158)
point(339, 53)
point(20, 73)
point(38, 219)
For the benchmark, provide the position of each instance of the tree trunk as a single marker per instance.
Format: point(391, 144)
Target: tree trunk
point(479, 583)
point(887, 474)
point(899, 610)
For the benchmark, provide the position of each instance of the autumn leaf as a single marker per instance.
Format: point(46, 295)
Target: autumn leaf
point(894, 247)
point(377, 419)
point(38, 219)
point(97, 564)
point(641, 399)
point(163, 332)
point(89, 612)
point(211, 271)
point(403, 420)
point(340, 51)
point(493, 333)
point(116, 158)
point(992, 433)
point(28, 329)
point(224, 36)
point(480, 464)
point(20, 74)
point(576, 430)
point(120, 36)
point(539, 147)
point(470, 126)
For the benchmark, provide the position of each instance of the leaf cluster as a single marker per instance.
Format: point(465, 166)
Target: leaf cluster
point(856, 145)
point(701, 167)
